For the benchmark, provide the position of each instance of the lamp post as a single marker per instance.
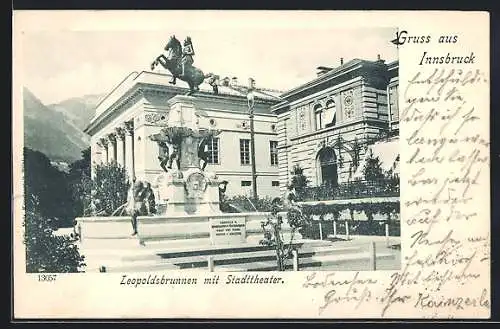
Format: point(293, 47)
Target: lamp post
point(251, 103)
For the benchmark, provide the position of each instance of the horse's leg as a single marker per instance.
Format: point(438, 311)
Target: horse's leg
point(191, 88)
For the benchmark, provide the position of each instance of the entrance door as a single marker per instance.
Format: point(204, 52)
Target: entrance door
point(328, 166)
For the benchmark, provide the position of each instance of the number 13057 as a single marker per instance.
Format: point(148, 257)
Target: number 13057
point(47, 277)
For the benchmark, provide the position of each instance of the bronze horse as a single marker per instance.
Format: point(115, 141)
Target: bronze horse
point(193, 75)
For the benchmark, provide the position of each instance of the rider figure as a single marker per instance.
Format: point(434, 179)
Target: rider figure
point(187, 55)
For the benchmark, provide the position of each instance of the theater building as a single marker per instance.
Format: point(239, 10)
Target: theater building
point(138, 107)
point(327, 126)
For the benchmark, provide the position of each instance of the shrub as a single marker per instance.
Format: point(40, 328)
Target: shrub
point(299, 182)
point(373, 169)
point(45, 252)
point(273, 236)
point(109, 188)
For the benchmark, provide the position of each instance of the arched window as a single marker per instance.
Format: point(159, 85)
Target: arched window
point(330, 116)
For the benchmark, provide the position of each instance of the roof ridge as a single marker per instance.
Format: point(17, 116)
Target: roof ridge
point(271, 89)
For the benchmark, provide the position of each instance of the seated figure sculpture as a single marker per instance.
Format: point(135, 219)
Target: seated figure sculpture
point(203, 153)
point(135, 204)
point(149, 199)
point(163, 155)
point(175, 156)
point(168, 152)
point(140, 202)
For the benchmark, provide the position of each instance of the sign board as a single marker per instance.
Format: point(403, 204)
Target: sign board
point(227, 230)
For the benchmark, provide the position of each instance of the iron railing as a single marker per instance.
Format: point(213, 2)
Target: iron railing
point(353, 190)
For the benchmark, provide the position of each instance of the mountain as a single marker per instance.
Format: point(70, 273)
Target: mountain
point(79, 110)
point(56, 130)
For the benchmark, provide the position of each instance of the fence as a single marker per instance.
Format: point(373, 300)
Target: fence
point(353, 190)
point(321, 229)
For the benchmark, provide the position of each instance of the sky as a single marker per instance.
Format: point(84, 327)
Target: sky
point(61, 64)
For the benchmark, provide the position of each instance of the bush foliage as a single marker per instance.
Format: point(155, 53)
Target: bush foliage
point(109, 188)
point(298, 182)
point(373, 169)
point(51, 188)
point(45, 252)
point(81, 183)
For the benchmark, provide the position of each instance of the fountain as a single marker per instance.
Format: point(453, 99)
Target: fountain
point(190, 222)
point(187, 190)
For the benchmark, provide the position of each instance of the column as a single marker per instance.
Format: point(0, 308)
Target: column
point(129, 149)
point(120, 146)
point(112, 148)
point(105, 152)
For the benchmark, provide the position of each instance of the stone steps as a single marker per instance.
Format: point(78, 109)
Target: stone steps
point(232, 259)
point(267, 263)
point(305, 263)
point(183, 251)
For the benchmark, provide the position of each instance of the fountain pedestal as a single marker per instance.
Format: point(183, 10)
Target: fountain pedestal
point(190, 192)
point(187, 190)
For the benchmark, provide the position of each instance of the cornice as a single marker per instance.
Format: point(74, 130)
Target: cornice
point(140, 89)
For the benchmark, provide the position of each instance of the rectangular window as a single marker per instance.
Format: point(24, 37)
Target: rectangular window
point(213, 150)
point(393, 102)
point(245, 151)
point(319, 119)
point(285, 130)
point(246, 183)
point(273, 149)
point(275, 183)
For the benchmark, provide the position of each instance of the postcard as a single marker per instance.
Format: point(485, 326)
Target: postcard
point(251, 164)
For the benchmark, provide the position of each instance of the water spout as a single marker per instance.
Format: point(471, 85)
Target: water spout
point(251, 203)
point(119, 210)
point(238, 209)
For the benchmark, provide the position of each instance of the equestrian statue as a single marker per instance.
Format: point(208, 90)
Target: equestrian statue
point(179, 61)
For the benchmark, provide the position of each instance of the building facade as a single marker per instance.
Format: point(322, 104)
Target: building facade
point(137, 108)
point(326, 125)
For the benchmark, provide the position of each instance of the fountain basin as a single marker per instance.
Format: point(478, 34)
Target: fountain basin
point(208, 230)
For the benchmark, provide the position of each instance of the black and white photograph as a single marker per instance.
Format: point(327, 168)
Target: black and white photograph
point(145, 152)
point(172, 157)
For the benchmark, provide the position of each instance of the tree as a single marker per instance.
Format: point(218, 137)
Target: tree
point(51, 188)
point(82, 166)
point(46, 252)
point(373, 169)
point(109, 188)
point(273, 235)
point(298, 182)
point(81, 183)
